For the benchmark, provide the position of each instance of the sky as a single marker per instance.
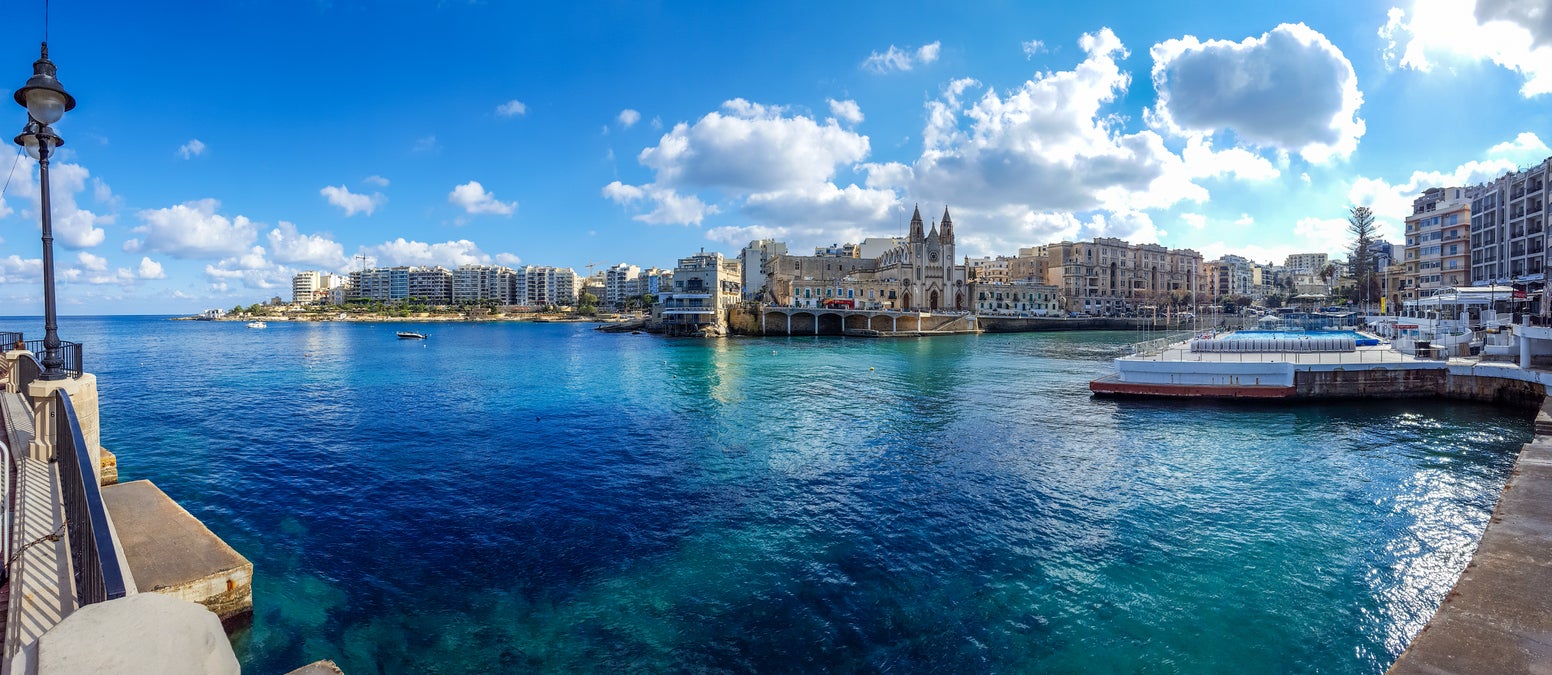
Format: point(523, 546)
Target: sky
point(218, 148)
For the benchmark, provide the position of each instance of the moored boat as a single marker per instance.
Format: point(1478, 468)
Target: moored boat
point(257, 324)
point(408, 335)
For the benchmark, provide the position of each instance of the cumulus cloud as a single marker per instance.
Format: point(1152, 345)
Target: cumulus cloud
point(1514, 34)
point(150, 269)
point(1524, 149)
point(670, 207)
point(91, 262)
point(287, 245)
point(448, 254)
point(896, 59)
point(508, 259)
point(1196, 221)
point(1245, 219)
point(192, 230)
point(512, 108)
point(1031, 48)
point(1289, 89)
point(191, 149)
point(846, 111)
point(350, 202)
point(780, 166)
point(473, 198)
point(1045, 146)
point(628, 118)
point(376, 180)
point(74, 227)
point(16, 269)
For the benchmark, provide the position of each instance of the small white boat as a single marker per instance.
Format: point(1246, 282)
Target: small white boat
point(257, 324)
point(407, 335)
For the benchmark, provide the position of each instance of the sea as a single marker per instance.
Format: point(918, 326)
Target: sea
point(522, 497)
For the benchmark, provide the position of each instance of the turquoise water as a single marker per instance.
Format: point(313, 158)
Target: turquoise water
point(1361, 339)
point(513, 498)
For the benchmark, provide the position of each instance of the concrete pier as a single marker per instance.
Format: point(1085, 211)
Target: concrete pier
point(1498, 618)
point(170, 552)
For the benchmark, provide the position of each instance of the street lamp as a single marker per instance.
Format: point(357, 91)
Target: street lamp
point(46, 102)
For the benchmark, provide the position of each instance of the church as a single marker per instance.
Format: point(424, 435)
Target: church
point(916, 273)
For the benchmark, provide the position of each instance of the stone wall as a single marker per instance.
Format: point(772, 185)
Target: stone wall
point(1417, 383)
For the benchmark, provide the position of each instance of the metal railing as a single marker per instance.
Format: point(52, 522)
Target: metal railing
point(70, 352)
point(27, 371)
point(93, 556)
point(8, 340)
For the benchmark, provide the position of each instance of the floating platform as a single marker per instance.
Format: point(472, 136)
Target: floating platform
point(170, 552)
point(1113, 386)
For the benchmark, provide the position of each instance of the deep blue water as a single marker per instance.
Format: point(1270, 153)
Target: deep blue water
point(520, 497)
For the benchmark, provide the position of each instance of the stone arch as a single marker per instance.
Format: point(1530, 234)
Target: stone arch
point(829, 323)
point(856, 321)
point(905, 301)
point(881, 323)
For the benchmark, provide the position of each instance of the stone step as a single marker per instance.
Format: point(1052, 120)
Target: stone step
point(169, 551)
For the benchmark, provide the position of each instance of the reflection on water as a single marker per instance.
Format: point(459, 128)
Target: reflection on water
point(505, 498)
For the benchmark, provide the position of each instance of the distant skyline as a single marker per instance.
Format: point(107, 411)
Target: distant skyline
point(217, 150)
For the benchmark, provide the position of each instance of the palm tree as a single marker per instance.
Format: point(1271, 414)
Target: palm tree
point(1326, 274)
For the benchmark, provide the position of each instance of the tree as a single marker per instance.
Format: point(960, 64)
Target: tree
point(1360, 222)
point(1327, 273)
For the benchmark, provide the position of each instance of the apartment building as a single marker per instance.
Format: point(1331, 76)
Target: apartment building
point(1508, 227)
point(1108, 274)
point(704, 285)
point(1438, 242)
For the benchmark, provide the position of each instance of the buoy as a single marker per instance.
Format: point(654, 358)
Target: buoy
point(870, 369)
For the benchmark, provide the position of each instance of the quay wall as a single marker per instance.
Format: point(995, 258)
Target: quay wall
point(1009, 324)
point(1454, 382)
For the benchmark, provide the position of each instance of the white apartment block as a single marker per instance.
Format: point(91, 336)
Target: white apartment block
point(619, 281)
point(753, 258)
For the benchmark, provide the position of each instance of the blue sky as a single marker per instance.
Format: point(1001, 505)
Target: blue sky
point(219, 147)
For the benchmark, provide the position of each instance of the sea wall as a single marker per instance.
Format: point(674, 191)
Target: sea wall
point(1496, 386)
point(1008, 324)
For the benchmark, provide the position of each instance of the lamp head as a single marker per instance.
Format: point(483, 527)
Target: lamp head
point(43, 96)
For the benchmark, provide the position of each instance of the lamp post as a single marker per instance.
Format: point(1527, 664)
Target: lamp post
point(46, 102)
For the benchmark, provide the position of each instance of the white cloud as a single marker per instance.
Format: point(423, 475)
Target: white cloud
point(846, 111)
point(1514, 34)
point(150, 269)
point(191, 149)
point(1245, 219)
point(1393, 203)
point(928, 53)
point(512, 108)
point(508, 259)
point(1289, 89)
point(473, 198)
point(15, 269)
point(780, 166)
point(448, 254)
point(352, 203)
point(91, 262)
point(896, 59)
point(670, 206)
point(426, 144)
point(287, 245)
point(376, 180)
point(193, 230)
point(1046, 146)
point(1526, 148)
point(1324, 234)
point(1031, 48)
point(628, 118)
point(74, 227)
point(1196, 221)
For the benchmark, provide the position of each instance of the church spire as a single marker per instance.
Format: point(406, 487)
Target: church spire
point(948, 227)
point(916, 224)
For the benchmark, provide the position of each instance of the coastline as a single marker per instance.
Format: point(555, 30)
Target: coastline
point(418, 318)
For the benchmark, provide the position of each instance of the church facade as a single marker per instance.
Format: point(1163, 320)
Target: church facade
point(918, 273)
